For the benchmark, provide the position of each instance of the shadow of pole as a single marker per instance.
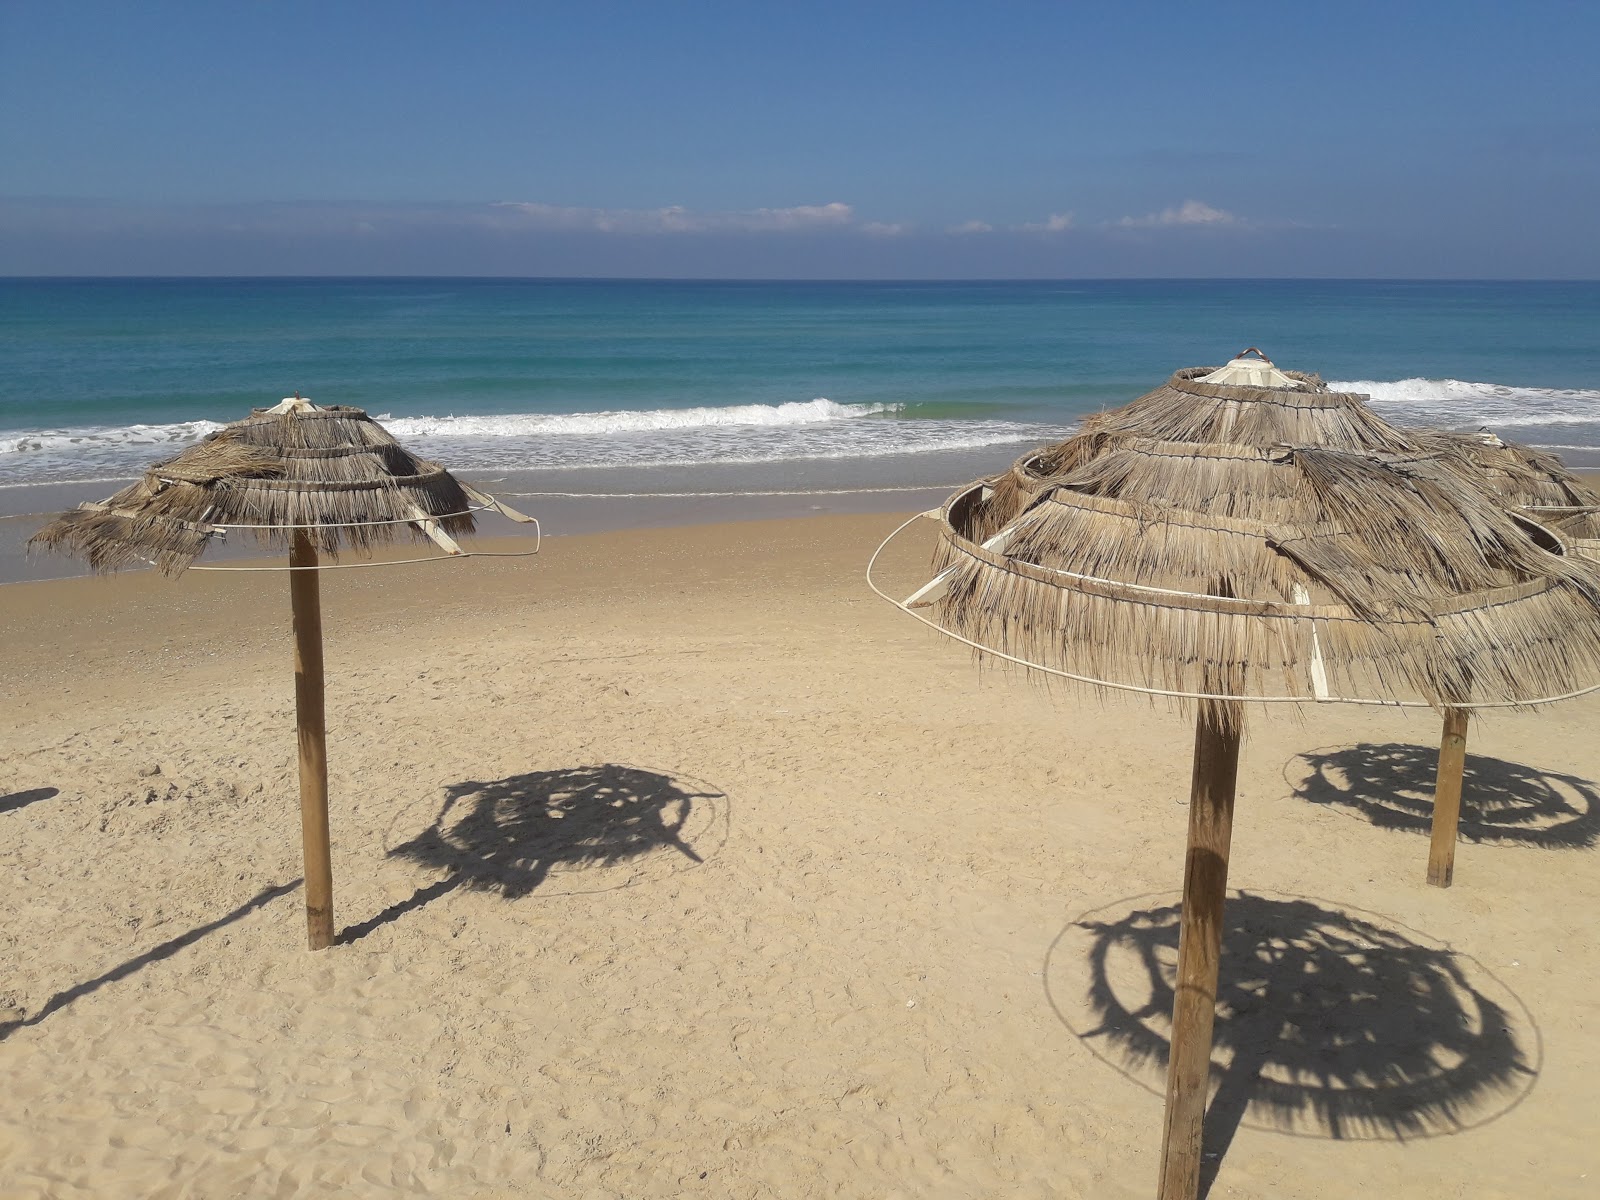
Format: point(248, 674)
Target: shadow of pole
point(423, 895)
point(165, 950)
point(16, 800)
point(508, 835)
point(1327, 1022)
point(1503, 802)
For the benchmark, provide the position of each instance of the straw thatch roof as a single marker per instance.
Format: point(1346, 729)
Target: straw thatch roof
point(1532, 480)
point(1275, 543)
point(332, 473)
point(1373, 582)
point(1303, 412)
point(1188, 409)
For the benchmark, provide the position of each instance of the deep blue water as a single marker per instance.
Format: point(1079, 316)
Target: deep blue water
point(100, 376)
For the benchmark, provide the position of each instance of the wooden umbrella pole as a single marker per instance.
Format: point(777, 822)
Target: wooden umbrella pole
point(1447, 798)
point(305, 599)
point(1205, 885)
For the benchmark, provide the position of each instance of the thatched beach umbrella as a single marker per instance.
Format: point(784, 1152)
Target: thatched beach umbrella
point(1250, 402)
point(309, 480)
point(1539, 486)
point(1217, 574)
point(1532, 481)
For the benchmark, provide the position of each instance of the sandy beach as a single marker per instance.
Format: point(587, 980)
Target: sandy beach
point(673, 863)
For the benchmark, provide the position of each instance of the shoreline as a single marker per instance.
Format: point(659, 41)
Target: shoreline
point(578, 501)
point(575, 502)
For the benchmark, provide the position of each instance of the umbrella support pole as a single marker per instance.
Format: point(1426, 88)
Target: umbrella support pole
point(1205, 886)
point(305, 599)
point(1447, 798)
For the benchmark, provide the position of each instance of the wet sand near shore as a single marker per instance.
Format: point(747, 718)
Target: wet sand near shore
point(592, 500)
point(672, 862)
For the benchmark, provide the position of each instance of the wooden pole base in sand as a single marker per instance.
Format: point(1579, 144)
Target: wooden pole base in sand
point(1205, 885)
point(1447, 798)
point(305, 599)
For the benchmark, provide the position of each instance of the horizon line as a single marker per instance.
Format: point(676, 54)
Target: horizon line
point(725, 279)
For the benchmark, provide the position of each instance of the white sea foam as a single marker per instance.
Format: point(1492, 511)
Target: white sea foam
point(744, 433)
point(178, 433)
point(510, 425)
point(808, 412)
point(1457, 403)
point(694, 445)
point(767, 433)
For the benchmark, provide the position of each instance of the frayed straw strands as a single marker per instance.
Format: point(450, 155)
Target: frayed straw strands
point(1396, 579)
point(1537, 483)
point(1189, 411)
point(1185, 409)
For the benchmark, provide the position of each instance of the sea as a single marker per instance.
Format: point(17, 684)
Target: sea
point(99, 377)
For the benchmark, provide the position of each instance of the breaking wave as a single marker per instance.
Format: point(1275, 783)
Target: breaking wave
point(1456, 403)
point(809, 412)
point(175, 435)
point(742, 433)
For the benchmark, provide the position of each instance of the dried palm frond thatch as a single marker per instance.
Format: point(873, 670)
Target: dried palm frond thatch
point(331, 474)
point(1304, 574)
point(1279, 537)
point(1534, 481)
point(1282, 535)
point(1188, 409)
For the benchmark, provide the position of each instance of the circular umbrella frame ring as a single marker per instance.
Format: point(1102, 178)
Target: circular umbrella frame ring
point(938, 513)
point(538, 543)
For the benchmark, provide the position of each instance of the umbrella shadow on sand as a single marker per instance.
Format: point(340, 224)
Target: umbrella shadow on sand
point(533, 830)
point(1501, 802)
point(1329, 1023)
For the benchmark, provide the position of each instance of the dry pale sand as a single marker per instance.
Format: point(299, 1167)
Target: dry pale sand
point(676, 864)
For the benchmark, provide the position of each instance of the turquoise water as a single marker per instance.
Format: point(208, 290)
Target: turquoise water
point(101, 376)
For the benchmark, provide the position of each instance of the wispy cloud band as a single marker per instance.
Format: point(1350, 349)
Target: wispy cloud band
point(1189, 213)
point(1055, 223)
point(799, 218)
point(510, 218)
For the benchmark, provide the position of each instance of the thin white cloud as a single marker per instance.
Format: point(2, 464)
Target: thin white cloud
point(676, 219)
point(971, 227)
point(1054, 223)
point(1189, 213)
point(374, 222)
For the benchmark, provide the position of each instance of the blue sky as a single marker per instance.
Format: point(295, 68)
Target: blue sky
point(924, 140)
